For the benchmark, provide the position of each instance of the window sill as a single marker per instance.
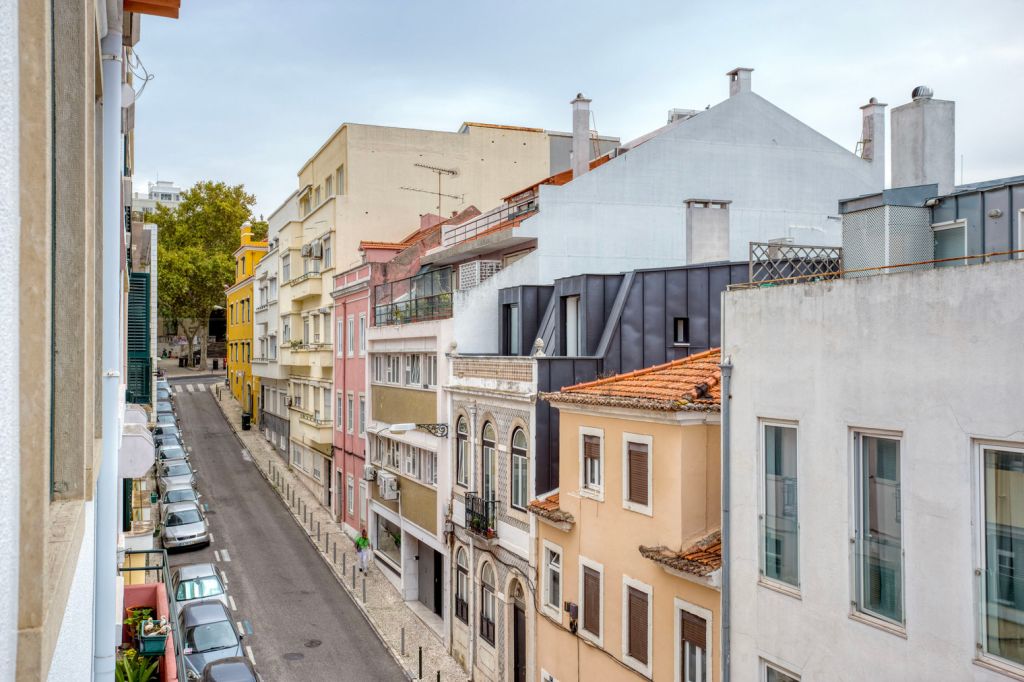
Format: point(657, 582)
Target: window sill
point(592, 494)
point(552, 613)
point(1001, 667)
point(639, 509)
point(884, 626)
point(642, 668)
point(781, 588)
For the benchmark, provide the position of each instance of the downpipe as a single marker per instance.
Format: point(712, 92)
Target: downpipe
point(726, 368)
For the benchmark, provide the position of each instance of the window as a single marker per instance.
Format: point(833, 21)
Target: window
point(286, 328)
point(327, 330)
point(364, 495)
point(681, 331)
point(340, 336)
point(412, 370)
point(572, 326)
point(362, 414)
point(462, 586)
point(520, 475)
point(362, 333)
point(350, 494)
point(774, 674)
point(553, 578)
point(592, 461)
point(391, 454)
point(273, 289)
point(462, 452)
point(394, 369)
point(636, 473)
point(350, 412)
point(780, 550)
point(340, 175)
point(693, 657)
point(327, 252)
point(512, 329)
point(879, 541)
point(412, 461)
point(1002, 471)
point(487, 604)
point(591, 589)
point(487, 463)
point(636, 624)
point(286, 269)
point(430, 370)
point(429, 467)
point(329, 186)
point(350, 342)
point(380, 369)
point(950, 241)
point(316, 195)
point(305, 330)
point(304, 205)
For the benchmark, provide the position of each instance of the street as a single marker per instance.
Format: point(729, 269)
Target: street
point(301, 624)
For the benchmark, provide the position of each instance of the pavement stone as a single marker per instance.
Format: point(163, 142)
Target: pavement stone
point(383, 608)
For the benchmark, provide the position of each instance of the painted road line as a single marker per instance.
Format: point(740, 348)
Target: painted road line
point(191, 388)
point(224, 576)
point(177, 388)
point(231, 601)
point(224, 555)
point(246, 456)
point(241, 630)
point(216, 555)
point(202, 387)
point(211, 534)
point(248, 652)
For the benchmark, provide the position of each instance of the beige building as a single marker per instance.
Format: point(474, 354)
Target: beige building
point(629, 546)
point(370, 183)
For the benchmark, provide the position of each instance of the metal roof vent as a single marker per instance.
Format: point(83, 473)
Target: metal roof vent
point(922, 92)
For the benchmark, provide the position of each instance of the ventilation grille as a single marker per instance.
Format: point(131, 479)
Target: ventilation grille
point(475, 272)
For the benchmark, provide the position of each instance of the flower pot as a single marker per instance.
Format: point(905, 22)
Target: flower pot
point(151, 645)
point(153, 497)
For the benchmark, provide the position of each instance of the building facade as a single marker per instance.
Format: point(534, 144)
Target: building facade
point(159, 193)
point(630, 543)
point(240, 300)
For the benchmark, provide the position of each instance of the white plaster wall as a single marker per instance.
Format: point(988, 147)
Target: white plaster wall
point(476, 311)
point(10, 453)
point(73, 652)
point(933, 354)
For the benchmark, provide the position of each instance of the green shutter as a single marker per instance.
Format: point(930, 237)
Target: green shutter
point(139, 361)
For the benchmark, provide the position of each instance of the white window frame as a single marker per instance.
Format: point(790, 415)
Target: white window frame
point(762, 674)
point(680, 606)
point(554, 611)
point(350, 407)
point(350, 341)
point(362, 334)
point(338, 400)
point(583, 632)
point(763, 579)
point(362, 414)
point(545, 676)
point(951, 225)
point(627, 438)
point(364, 496)
point(525, 481)
point(350, 493)
point(338, 339)
point(644, 669)
point(596, 493)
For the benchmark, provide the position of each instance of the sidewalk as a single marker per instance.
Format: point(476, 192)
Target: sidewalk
point(383, 607)
point(172, 371)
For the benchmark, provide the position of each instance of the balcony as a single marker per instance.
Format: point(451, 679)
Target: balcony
point(427, 296)
point(507, 215)
point(307, 355)
point(313, 419)
point(147, 583)
point(306, 286)
point(481, 517)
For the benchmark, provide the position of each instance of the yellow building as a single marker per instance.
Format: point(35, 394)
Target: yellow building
point(629, 548)
point(239, 314)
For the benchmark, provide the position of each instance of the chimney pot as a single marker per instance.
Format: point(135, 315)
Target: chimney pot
point(872, 138)
point(580, 135)
point(739, 80)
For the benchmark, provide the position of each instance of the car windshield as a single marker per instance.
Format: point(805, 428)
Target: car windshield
point(183, 495)
point(207, 586)
point(185, 516)
point(210, 637)
point(171, 452)
point(178, 470)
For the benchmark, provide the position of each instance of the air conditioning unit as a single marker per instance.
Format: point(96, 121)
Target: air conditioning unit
point(387, 485)
point(316, 250)
point(369, 473)
point(475, 272)
point(306, 250)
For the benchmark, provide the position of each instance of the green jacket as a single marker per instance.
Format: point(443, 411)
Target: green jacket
point(362, 543)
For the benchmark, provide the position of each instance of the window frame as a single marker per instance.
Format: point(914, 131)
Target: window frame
point(644, 669)
point(462, 586)
point(350, 489)
point(766, 665)
point(552, 610)
point(597, 492)
point(340, 335)
point(679, 607)
point(350, 402)
point(362, 414)
point(525, 456)
point(640, 439)
point(462, 454)
point(597, 639)
point(488, 597)
point(958, 223)
point(350, 333)
point(763, 577)
point(362, 334)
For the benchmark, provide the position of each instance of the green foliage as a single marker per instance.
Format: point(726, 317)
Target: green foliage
point(135, 616)
point(134, 668)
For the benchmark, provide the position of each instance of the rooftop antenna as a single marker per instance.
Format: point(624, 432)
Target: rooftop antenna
point(441, 172)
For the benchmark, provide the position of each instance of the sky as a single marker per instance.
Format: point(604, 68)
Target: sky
point(246, 91)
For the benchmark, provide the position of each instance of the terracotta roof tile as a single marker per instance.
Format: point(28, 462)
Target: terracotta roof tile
point(690, 383)
point(549, 509)
point(701, 558)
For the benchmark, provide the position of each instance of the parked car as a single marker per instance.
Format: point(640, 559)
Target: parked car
point(171, 451)
point(163, 385)
point(193, 582)
point(180, 493)
point(164, 419)
point(184, 525)
point(209, 635)
point(168, 439)
point(237, 669)
point(165, 429)
point(164, 407)
point(164, 394)
point(174, 472)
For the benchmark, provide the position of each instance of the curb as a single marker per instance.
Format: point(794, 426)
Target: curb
point(309, 538)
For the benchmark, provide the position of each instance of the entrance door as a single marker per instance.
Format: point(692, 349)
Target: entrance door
point(518, 637)
point(438, 585)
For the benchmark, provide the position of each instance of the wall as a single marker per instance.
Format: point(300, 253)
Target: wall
point(932, 354)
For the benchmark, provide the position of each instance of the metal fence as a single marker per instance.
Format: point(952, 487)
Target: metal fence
point(770, 262)
point(477, 226)
point(427, 296)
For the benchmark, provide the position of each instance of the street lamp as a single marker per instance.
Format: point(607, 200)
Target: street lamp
point(439, 430)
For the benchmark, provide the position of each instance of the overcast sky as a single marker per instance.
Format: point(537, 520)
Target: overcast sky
point(246, 91)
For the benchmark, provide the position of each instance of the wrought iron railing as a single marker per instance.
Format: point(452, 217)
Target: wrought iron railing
point(427, 296)
point(771, 261)
point(480, 516)
point(460, 233)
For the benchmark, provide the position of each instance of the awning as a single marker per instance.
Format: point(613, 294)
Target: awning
point(137, 453)
point(135, 414)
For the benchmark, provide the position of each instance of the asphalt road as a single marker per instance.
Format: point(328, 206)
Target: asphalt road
point(304, 626)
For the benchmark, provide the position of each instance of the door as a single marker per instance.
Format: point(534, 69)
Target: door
point(438, 584)
point(518, 642)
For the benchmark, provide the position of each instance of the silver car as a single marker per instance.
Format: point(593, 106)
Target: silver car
point(165, 419)
point(171, 451)
point(184, 526)
point(180, 493)
point(209, 635)
point(168, 438)
point(174, 472)
point(193, 582)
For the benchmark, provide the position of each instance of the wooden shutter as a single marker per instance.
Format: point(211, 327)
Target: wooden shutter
point(638, 462)
point(591, 601)
point(591, 447)
point(694, 630)
point(637, 604)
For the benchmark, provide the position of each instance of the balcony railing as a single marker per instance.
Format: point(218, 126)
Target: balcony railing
point(427, 296)
point(149, 567)
point(480, 516)
point(460, 233)
point(312, 418)
point(781, 262)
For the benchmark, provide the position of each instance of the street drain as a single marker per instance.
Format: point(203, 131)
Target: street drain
point(294, 656)
point(313, 643)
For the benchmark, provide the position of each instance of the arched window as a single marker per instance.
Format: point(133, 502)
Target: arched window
point(488, 463)
point(487, 603)
point(520, 475)
point(462, 586)
point(462, 452)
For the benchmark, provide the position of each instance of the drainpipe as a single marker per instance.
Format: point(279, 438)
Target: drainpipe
point(726, 368)
point(105, 577)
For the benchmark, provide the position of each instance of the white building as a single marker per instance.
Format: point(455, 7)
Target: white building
point(877, 451)
point(163, 192)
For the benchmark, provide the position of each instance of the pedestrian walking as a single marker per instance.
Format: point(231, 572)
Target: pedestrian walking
point(363, 549)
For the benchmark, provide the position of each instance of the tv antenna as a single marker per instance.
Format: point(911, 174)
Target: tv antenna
point(441, 172)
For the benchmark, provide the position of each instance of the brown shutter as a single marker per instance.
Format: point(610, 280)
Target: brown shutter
point(637, 604)
point(638, 473)
point(694, 630)
point(591, 601)
point(591, 447)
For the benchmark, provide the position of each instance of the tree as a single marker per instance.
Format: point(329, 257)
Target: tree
point(195, 254)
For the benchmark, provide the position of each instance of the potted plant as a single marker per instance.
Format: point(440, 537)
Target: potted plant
point(153, 637)
point(295, 343)
point(132, 667)
point(134, 616)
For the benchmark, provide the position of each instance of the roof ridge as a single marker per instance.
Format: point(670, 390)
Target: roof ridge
point(643, 371)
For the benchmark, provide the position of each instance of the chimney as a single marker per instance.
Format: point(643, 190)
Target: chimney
point(246, 232)
point(580, 135)
point(923, 142)
point(739, 80)
point(872, 138)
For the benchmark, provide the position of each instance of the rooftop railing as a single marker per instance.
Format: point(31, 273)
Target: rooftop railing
point(473, 228)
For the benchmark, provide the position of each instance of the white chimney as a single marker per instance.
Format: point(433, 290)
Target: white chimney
point(739, 80)
point(872, 138)
point(923, 142)
point(580, 135)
